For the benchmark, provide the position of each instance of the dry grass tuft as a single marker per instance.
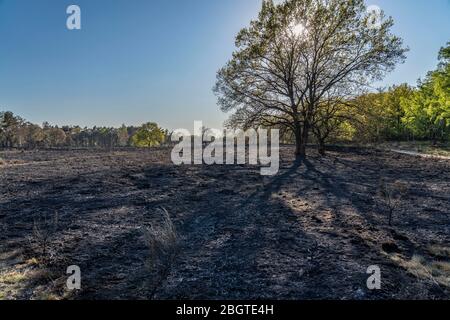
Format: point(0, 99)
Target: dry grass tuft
point(443, 267)
point(439, 251)
point(161, 241)
point(437, 272)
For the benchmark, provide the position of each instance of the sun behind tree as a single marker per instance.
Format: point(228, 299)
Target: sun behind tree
point(300, 55)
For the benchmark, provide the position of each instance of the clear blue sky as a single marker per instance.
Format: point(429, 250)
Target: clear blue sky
point(153, 60)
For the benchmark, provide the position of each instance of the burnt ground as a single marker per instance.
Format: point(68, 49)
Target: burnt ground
point(310, 232)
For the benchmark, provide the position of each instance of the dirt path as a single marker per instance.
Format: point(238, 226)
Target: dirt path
point(418, 154)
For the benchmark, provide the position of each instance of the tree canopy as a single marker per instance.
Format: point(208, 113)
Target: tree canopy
point(427, 111)
point(149, 135)
point(300, 55)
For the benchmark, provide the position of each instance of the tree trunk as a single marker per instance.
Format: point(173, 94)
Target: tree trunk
point(434, 139)
point(301, 138)
point(300, 150)
point(322, 150)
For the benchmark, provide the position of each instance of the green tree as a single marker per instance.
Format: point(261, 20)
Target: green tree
point(148, 135)
point(35, 136)
point(393, 111)
point(427, 111)
point(376, 116)
point(54, 137)
point(9, 127)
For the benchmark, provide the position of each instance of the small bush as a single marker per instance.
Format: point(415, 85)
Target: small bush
point(391, 195)
point(43, 230)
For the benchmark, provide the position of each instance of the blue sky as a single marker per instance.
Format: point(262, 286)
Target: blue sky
point(154, 60)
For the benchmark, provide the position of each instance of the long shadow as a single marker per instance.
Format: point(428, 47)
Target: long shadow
point(266, 252)
point(243, 247)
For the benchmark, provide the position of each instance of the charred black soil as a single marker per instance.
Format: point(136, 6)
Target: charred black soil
point(310, 232)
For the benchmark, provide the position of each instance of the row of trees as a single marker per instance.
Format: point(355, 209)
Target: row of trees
point(305, 67)
point(398, 113)
point(15, 132)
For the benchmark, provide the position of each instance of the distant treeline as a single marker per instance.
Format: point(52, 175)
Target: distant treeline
point(397, 113)
point(16, 132)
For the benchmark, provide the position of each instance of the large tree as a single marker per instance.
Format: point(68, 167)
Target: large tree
point(298, 53)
